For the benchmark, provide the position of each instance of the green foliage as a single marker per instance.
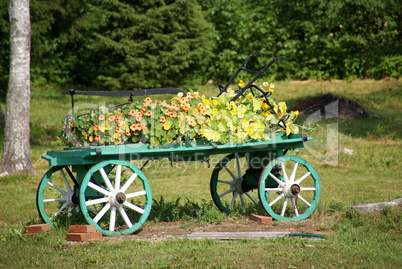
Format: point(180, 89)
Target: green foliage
point(210, 213)
point(172, 210)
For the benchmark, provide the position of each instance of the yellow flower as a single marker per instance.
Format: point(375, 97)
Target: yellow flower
point(249, 95)
point(235, 111)
point(91, 138)
point(265, 105)
point(102, 128)
point(241, 83)
point(207, 101)
point(215, 102)
point(265, 84)
point(297, 113)
point(267, 114)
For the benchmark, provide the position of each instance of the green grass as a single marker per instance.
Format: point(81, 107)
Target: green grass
point(371, 174)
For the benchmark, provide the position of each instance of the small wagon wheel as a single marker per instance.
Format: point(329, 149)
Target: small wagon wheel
point(116, 197)
point(228, 184)
point(57, 194)
point(292, 196)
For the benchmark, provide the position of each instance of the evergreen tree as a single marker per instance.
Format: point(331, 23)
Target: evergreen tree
point(143, 44)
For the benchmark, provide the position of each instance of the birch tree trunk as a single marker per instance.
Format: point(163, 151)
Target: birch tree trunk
point(16, 158)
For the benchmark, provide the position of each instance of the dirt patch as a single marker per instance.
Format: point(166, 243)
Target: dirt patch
point(331, 106)
point(165, 230)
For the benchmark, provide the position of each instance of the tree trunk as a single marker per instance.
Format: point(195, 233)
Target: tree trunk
point(16, 158)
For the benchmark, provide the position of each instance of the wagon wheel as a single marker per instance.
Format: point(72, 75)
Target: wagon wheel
point(55, 195)
point(117, 201)
point(227, 183)
point(293, 195)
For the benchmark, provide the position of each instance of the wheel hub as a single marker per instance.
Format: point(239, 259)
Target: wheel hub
point(117, 198)
point(291, 190)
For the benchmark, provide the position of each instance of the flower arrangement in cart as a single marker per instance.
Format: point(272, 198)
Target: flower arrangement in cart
point(185, 117)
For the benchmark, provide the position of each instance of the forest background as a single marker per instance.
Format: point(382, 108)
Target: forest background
point(126, 45)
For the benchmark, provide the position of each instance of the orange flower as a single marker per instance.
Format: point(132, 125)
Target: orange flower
point(97, 138)
point(162, 120)
point(111, 118)
point(127, 133)
point(72, 125)
point(118, 112)
point(101, 118)
point(148, 100)
point(148, 113)
point(138, 118)
point(96, 127)
point(88, 119)
point(132, 113)
point(143, 125)
point(133, 127)
point(171, 115)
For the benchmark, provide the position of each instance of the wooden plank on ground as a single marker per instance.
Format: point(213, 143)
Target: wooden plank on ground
point(235, 235)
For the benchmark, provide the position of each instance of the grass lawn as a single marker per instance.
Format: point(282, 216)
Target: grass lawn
point(371, 174)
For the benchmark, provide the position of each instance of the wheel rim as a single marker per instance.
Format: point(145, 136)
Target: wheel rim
point(296, 193)
point(226, 183)
point(118, 201)
point(55, 195)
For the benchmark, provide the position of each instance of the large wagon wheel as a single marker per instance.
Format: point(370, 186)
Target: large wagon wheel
point(228, 184)
point(116, 197)
point(57, 194)
point(294, 194)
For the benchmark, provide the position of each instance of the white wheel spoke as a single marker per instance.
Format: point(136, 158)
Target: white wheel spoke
point(285, 176)
point(129, 182)
point(294, 206)
point(54, 200)
point(233, 199)
point(276, 179)
point(304, 200)
point(225, 182)
point(70, 208)
point(276, 199)
point(57, 188)
point(98, 189)
point(238, 166)
point(307, 188)
point(134, 207)
point(243, 207)
point(118, 176)
point(112, 219)
point(61, 208)
point(106, 179)
point(302, 178)
point(251, 197)
point(136, 194)
point(226, 192)
point(285, 203)
point(292, 176)
point(230, 172)
point(102, 212)
point(125, 217)
point(97, 201)
point(274, 189)
point(66, 181)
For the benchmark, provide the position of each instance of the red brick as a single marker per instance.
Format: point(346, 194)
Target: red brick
point(78, 236)
point(36, 228)
point(261, 219)
point(96, 235)
point(82, 228)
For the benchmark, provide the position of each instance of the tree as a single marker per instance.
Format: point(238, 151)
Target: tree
point(16, 158)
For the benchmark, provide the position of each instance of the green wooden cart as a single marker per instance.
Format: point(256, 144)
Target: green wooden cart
point(104, 185)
